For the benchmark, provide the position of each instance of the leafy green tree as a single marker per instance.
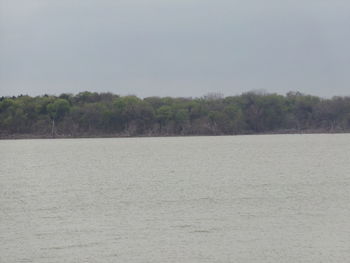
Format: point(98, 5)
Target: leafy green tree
point(164, 115)
point(57, 111)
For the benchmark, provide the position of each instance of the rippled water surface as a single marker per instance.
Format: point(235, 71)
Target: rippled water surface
point(278, 198)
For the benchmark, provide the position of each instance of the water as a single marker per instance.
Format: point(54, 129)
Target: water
point(279, 198)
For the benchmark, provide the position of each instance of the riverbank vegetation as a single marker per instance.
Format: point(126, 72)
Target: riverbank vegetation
point(105, 114)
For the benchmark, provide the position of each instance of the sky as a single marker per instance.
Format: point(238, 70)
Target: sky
point(182, 48)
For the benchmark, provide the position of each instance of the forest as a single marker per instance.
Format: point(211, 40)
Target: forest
point(91, 114)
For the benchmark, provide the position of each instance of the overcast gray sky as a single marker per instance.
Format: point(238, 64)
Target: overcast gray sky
point(174, 47)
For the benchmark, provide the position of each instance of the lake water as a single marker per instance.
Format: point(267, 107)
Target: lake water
point(270, 198)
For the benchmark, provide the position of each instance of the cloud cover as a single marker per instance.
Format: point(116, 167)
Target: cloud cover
point(174, 47)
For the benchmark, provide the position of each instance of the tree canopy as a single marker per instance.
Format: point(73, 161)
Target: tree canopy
point(107, 114)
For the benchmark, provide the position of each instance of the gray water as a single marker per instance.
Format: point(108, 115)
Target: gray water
point(279, 198)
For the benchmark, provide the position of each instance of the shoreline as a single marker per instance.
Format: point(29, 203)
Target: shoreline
point(109, 136)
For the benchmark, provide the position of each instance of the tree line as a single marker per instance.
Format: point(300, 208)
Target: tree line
point(107, 114)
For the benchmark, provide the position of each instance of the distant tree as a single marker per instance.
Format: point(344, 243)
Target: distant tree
point(164, 115)
point(56, 111)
